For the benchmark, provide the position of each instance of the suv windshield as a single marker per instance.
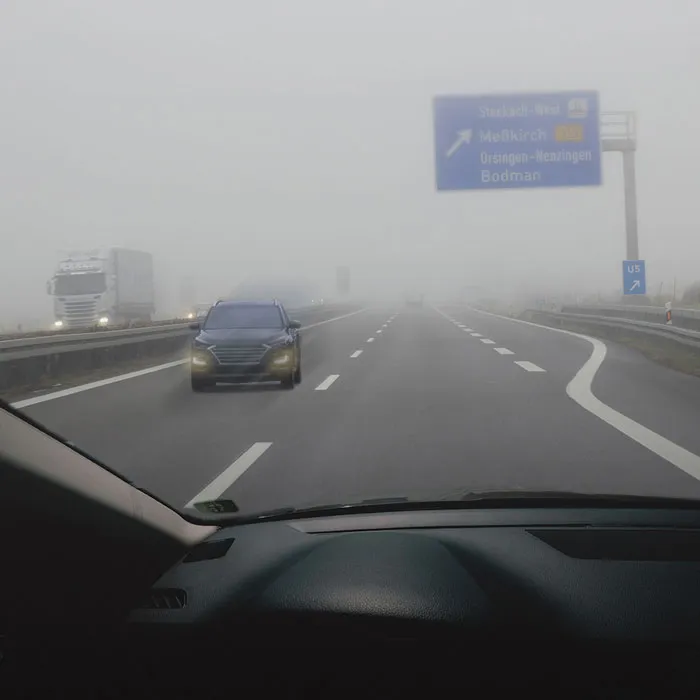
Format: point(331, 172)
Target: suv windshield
point(243, 316)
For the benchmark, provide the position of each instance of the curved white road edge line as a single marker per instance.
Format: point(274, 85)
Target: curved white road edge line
point(579, 389)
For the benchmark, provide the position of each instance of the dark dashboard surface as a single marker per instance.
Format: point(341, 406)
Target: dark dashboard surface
point(587, 602)
point(590, 574)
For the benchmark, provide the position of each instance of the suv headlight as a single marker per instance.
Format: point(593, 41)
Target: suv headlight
point(283, 357)
point(200, 357)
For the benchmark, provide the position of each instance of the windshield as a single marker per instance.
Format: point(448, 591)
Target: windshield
point(79, 283)
point(222, 317)
point(478, 220)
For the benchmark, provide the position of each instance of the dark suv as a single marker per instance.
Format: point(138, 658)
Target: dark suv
point(246, 340)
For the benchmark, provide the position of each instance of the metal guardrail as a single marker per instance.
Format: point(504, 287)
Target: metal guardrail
point(679, 335)
point(57, 342)
point(64, 332)
point(70, 342)
point(26, 363)
point(682, 318)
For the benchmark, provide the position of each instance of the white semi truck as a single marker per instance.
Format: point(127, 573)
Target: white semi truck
point(113, 286)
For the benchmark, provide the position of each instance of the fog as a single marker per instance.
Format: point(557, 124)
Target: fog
point(232, 139)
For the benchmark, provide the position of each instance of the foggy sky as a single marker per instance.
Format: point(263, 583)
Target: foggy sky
point(228, 137)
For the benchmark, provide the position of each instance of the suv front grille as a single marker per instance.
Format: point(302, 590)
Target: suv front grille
point(252, 355)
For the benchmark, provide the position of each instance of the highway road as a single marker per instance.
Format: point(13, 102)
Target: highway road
point(409, 402)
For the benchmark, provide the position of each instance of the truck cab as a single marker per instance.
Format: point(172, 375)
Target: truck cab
point(102, 289)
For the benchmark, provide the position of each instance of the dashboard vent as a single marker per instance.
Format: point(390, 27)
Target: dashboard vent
point(165, 599)
point(209, 550)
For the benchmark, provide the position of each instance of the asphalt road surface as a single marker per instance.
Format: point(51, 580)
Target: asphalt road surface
point(402, 402)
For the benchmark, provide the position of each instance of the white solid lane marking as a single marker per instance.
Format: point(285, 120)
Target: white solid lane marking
point(486, 341)
point(330, 320)
point(139, 373)
point(443, 314)
point(579, 389)
point(95, 385)
point(230, 474)
point(357, 353)
point(529, 366)
point(477, 335)
point(327, 382)
point(370, 340)
point(504, 351)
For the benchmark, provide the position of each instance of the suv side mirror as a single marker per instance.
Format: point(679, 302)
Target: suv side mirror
point(195, 326)
point(296, 325)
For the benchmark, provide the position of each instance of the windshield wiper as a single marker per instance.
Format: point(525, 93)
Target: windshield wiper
point(224, 506)
point(464, 500)
point(562, 498)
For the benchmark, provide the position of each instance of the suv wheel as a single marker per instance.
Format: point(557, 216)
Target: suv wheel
point(199, 384)
point(288, 382)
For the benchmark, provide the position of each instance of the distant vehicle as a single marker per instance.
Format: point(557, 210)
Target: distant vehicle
point(243, 341)
point(102, 288)
point(292, 293)
point(198, 311)
point(414, 300)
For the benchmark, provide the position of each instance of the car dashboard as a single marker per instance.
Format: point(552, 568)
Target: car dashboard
point(560, 600)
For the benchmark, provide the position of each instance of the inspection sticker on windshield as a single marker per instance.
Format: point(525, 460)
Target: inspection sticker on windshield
point(222, 506)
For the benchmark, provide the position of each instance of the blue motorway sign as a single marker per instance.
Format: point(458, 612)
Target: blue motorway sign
point(517, 141)
point(634, 277)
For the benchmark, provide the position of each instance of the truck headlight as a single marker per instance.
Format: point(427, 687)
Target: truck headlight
point(58, 324)
point(103, 320)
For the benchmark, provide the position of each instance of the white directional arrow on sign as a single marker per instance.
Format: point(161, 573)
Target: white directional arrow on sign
point(635, 285)
point(463, 136)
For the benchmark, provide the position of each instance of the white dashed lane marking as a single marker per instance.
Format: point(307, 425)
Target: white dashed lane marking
point(504, 351)
point(357, 353)
point(529, 366)
point(231, 473)
point(477, 335)
point(370, 340)
point(323, 386)
point(486, 341)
